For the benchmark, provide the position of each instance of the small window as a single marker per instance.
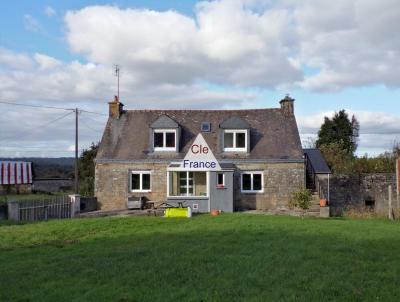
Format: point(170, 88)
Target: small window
point(141, 181)
point(205, 127)
point(164, 140)
point(252, 182)
point(235, 140)
point(220, 180)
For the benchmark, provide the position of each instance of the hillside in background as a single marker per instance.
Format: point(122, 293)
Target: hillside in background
point(43, 167)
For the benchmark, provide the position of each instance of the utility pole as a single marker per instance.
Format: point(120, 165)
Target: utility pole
point(76, 152)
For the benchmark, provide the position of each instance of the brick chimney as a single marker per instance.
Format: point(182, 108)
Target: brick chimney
point(115, 108)
point(287, 105)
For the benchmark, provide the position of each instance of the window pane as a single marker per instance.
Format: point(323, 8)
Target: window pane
point(182, 184)
point(135, 181)
point(220, 179)
point(246, 182)
point(200, 183)
point(190, 183)
point(240, 140)
point(228, 140)
point(257, 184)
point(170, 139)
point(174, 184)
point(158, 140)
point(145, 181)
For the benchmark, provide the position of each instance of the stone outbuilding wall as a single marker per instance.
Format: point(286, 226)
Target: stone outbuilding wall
point(361, 191)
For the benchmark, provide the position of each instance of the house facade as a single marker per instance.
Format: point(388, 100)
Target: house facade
point(206, 159)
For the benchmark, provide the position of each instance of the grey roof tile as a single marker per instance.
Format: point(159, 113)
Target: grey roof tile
point(273, 135)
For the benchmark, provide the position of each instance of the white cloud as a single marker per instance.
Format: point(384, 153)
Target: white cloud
point(45, 62)
point(14, 60)
point(352, 43)
point(226, 43)
point(49, 11)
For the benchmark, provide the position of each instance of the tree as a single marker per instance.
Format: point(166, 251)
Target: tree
point(341, 131)
point(86, 170)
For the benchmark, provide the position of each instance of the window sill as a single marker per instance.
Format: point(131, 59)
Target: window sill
point(164, 150)
point(187, 197)
point(140, 191)
point(235, 150)
point(252, 192)
point(220, 187)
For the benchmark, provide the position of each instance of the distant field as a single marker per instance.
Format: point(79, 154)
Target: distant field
point(233, 257)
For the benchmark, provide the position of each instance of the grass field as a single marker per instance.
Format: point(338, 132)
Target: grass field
point(233, 257)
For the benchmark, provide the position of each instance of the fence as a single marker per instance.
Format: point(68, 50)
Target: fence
point(32, 210)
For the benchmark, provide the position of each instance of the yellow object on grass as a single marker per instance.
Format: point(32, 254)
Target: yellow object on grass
point(178, 212)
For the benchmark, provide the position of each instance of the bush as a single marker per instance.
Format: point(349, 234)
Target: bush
point(301, 199)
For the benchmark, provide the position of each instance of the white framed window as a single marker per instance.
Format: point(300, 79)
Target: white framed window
point(220, 180)
point(235, 140)
point(187, 184)
point(164, 139)
point(140, 181)
point(252, 182)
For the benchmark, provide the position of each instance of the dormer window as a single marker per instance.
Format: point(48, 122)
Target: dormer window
point(235, 140)
point(165, 133)
point(235, 135)
point(164, 139)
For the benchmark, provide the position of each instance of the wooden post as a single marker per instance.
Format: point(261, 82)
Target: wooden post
point(391, 214)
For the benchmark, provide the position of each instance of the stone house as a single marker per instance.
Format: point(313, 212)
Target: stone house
point(248, 159)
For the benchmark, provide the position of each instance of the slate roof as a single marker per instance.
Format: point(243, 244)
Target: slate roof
point(317, 161)
point(273, 135)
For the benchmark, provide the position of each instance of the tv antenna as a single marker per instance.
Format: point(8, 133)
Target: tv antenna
point(117, 74)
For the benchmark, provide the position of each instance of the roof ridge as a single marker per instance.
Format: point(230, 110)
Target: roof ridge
point(202, 110)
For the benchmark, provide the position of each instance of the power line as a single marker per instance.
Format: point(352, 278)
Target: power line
point(92, 112)
point(51, 107)
point(89, 127)
point(43, 125)
point(93, 120)
point(36, 106)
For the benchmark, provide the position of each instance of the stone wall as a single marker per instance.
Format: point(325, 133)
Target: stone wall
point(360, 191)
point(280, 179)
point(112, 183)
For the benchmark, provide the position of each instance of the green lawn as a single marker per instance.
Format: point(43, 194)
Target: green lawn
point(233, 257)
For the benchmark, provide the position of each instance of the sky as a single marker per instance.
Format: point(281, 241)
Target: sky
point(228, 54)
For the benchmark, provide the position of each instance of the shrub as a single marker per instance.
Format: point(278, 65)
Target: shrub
point(301, 199)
